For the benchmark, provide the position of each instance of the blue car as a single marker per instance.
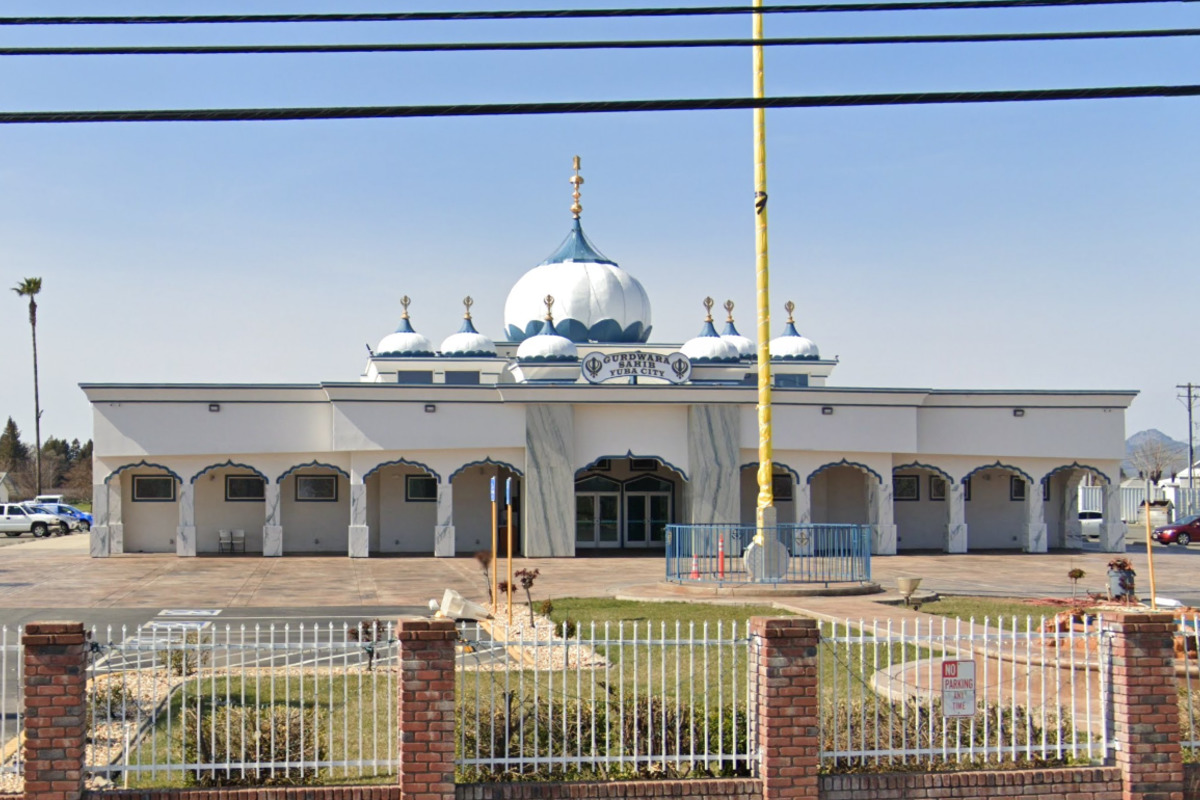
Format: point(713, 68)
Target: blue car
point(78, 520)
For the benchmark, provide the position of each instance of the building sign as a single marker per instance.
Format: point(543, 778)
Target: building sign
point(958, 688)
point(601, 367)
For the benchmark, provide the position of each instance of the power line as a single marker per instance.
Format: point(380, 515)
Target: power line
point(594, 106)
point(636, 44)
point(576, 13)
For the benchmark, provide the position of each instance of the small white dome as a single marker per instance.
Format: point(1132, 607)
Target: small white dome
point(745, 347)
point(707, 347)
point(791, 346)
point(547, 346)
point(468, 342)
point(405, 341)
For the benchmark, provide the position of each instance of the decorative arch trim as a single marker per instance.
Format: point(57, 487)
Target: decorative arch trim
point(629, 454)
point(844, 463)
point(403, 462)
point(778, 465)
point(483, 463)
point(930, 467)
point(230, 465)
point(999, 465)
point(1076, 465)
point(141, 464)
point(314, 463)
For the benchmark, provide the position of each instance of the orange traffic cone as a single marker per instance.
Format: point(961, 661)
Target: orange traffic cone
point(695, 568)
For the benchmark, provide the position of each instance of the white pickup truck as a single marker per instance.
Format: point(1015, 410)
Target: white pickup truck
point(17, 518)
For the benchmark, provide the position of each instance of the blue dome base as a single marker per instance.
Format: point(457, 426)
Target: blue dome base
point(606, 331)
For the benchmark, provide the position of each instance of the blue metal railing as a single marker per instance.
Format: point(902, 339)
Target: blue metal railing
point(815, 553)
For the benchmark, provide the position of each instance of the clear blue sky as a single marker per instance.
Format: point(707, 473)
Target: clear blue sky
point(1035, 246)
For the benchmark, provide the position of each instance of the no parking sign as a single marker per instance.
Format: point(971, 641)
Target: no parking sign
point(958, 688)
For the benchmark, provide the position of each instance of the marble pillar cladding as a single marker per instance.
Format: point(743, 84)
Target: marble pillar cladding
point(1068, 513)
point(956, 522)
point(359, 534)
point(1112, 528)
point(1035, 518)
point(802, 502)
point(116, 525)
point(273, 527)
point(713, 469)
point(549, 503)
point(879, 499)
point(98, 544)
point(443, 530)
point(185, 534)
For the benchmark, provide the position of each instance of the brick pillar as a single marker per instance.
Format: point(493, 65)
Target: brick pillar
point(426, 712)
point(1145, 706)
point(55, 704)
point(783, 674)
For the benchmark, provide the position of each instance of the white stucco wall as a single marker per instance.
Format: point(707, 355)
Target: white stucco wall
point(839, 495)
point(921, 524)
point(402, 526)
point(1069, 433)
point(406, 426)
point(877, 429)
point(149, 526)
point(310, 527)
point(994, 522)
point(614, 430)
point(214, 513)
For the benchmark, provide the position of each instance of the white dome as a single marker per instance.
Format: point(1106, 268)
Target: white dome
point(708, 347)
point(595, 300)
point(468, 342)
point(404, 342)
point(792, 346)
point(745, 347)
point(547, 346)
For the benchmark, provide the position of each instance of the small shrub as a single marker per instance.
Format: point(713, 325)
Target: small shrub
point(546, 608)
point(111, 701)
point(568, 628)
point(186, 656)
point(252, 734)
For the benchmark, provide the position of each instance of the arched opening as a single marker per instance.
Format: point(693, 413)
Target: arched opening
point(473, 507)
point(230, 497)
point(921, 507)
point(402, 500)
point(783, 484)
point(625, 503)
point(1074, 495)
point(996, 512)
point(841, 494)
point(150, 508)
point(314, 504)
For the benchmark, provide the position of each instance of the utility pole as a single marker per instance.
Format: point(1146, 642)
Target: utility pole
point(1190, 399)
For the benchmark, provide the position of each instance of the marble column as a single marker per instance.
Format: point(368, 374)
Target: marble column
point(185, 534)
point(116, 526)
point(1035, 518)
point(956, 517)
point(802, 502)
point(549, 508)
point(273, 528)
point(879, 508)
point(1112, 527)
point(98, 544)
point(713, 456)
point(443, 530)
point(1069, 512)
point(360, 533)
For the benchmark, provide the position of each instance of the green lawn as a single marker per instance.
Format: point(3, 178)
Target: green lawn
point(1000, 612)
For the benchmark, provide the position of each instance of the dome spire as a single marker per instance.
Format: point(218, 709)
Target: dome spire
point(576, 181)
point(729, 311)
point(790, 307)
point(405, 301)
point(467, 303)
point(549, 301)
point(708, 304)
point(744, 346)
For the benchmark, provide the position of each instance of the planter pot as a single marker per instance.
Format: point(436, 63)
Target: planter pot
point(1121, 583)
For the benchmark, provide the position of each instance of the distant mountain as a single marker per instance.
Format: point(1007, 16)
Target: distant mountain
point(1154, 447)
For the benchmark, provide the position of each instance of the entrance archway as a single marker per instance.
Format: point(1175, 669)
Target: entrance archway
point(996, 508)
point(921, 509)
point(625, 503)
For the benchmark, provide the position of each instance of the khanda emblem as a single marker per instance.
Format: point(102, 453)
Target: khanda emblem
point(593, 365)
point(680, 367)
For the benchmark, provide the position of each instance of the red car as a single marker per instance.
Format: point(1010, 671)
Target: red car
point(1181, 531)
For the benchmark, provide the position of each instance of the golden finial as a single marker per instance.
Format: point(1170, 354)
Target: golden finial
point(708, 304)
point(729, 310)
point(468, 302)
point(789, 307)
point(576, 181)
point(549, 301)
point(404, 301)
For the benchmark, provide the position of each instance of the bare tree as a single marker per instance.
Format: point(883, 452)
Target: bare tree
point(1154, 458)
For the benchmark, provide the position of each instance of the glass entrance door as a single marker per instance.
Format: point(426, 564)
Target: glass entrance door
point(646, 517)
point(597, 513)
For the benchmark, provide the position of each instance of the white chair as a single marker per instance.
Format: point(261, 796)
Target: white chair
point(224, 541)
point(237, 541)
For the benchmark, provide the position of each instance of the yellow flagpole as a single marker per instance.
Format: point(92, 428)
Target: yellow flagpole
point(766, 497)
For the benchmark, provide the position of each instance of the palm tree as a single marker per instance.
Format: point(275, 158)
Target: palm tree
point(29, 288)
